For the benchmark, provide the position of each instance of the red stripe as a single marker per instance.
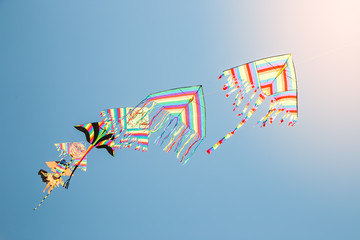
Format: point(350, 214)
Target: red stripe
point(233, 72)
point(189, 94)
point(138, 135)
point(176, 140)
point(181, 107)
point(270, 86)
point(285, 80)
point(249, 74)
point(284, 97)
point(199, 117)
point(271, 68)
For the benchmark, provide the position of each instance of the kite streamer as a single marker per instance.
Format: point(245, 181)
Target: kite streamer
point(270, 77)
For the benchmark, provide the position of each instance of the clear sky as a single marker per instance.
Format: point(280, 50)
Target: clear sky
point(62, 62)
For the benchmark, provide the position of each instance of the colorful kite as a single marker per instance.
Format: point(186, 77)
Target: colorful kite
point(75, 150)
point(135, 131)
point(273, 77)
point(54, 179)
point(99, 135)
point(179, 112)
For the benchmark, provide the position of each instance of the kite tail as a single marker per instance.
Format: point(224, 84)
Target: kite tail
point(189, 139)
point(183, 159)
point(284, 117)
point(172, 140)
point(216, 145)
point(43, 200)
point(238, 99)
point(183, 137)
point(177, 139)
point(157, 140)
point(293, 119)
point(260, 99)
point(292, 116)
point(248, 104)
point(270, 112)
point(180, 134)
point(274, 115)
point(171, 132)
point(232, 90)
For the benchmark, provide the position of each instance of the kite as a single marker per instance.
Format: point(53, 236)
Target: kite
point(134, 127)
point(75, 150)
point(180, 113)
point(54, 179)
point(98, 134)
point(269, 77)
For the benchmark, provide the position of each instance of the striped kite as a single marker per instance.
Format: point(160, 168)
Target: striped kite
point(75, 150)
point(180, 113)
point(133, 127)
point(269, 77)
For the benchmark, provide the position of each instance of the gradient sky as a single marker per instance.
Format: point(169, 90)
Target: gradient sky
point(62, 62)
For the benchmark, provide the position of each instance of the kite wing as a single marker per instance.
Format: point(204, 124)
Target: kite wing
point(269, 77)
point(99, 135)
point(52, 165)
point(179, 112)
point(57, 167)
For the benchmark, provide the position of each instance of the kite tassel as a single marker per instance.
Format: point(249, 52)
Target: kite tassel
point(189, 139)
point(184, 161)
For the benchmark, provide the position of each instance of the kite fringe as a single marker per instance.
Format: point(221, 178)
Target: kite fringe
point(171, 127)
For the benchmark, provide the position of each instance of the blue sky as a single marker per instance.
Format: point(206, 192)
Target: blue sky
point(62, 62)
